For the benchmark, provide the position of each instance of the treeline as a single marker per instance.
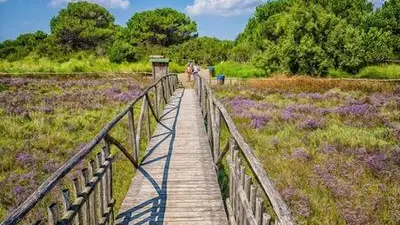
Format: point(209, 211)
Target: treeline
point(290, 36)
point(315, 36)
point(91, 29)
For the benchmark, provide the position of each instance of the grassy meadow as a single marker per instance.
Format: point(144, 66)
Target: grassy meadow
point(78, 63)
point(248, 70)
point(331, 147)
point(44, 122)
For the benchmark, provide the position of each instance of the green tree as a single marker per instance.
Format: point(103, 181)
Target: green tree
point(121, 51)
point(204, 50)
point(388, 19)
point(83, 25)
point(164, 27)
point(22, 46)
point(353, 11)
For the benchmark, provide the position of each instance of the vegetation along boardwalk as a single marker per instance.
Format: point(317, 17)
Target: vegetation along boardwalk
point(180, 179)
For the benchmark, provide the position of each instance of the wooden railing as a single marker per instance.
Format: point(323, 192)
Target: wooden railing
point(92, 201)
point(245, 203)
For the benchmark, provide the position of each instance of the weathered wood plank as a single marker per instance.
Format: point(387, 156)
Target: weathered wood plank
point(178, 174)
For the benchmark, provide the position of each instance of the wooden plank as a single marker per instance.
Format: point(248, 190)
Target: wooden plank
point(93, 196)
point(177, 181)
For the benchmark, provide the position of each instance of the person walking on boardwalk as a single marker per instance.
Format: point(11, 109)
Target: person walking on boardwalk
point(189, 70)
point(196, 70)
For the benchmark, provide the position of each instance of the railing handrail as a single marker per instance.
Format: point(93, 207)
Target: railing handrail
point(23, 209)
point(280, 208)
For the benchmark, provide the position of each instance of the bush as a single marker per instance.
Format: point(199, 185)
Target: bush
point(390, 71)
point(240, 70)
point(120, 52)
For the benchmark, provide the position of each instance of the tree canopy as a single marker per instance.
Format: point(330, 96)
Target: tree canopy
point(311, 37)
point(163, 27)
point(82, 25)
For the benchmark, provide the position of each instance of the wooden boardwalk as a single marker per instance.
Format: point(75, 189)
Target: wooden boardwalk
point(177, 182)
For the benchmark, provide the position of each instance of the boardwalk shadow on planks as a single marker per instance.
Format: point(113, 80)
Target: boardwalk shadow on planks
point(152, 211)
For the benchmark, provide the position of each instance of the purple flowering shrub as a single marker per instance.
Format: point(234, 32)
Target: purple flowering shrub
point(45, 121)
point(332, 149)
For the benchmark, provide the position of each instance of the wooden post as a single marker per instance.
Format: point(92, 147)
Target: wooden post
point(253, 196)
point(77, 192)
point(156, 100)
point(101, 187)
point(85, 179)
point(217, 129)
point(259, 210)
point(53, 214)
point(107, 198)
point(147, 121)
point(247, 192)
point(92, 197)
point(132, 133)
point(266, 219)
point(140, 123)
point(241, 209)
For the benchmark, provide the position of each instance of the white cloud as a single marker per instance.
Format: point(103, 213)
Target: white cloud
point(123, 4)
point(222, 7)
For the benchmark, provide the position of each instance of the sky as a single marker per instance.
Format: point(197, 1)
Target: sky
point(223, 19)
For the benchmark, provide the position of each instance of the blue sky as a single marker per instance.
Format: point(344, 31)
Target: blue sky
point(218, 18)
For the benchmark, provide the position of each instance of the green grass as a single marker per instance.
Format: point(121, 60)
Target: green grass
point(384, 71)
point(347, 169)
point(88, 63)
point(46, 121)
point(239, 70)
point(390, 71)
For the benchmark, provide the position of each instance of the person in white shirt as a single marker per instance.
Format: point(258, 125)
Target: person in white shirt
point(196, 70)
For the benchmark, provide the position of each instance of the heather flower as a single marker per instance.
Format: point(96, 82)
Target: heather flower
point(311, 124)
point(315, 96)
point(50, 167)
point(242, 106)
point(259, 121)
point(356, 110)
point(396, 156)
point(338, 189)
point(25, 159)
point(397, 91)
point(328, 149)
point(300, 154)
point(298, 201)
point(376, 162)
point(286, 114)
point(18, 190)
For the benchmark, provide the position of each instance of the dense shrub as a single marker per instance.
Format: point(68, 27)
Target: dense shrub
point(121, 51)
